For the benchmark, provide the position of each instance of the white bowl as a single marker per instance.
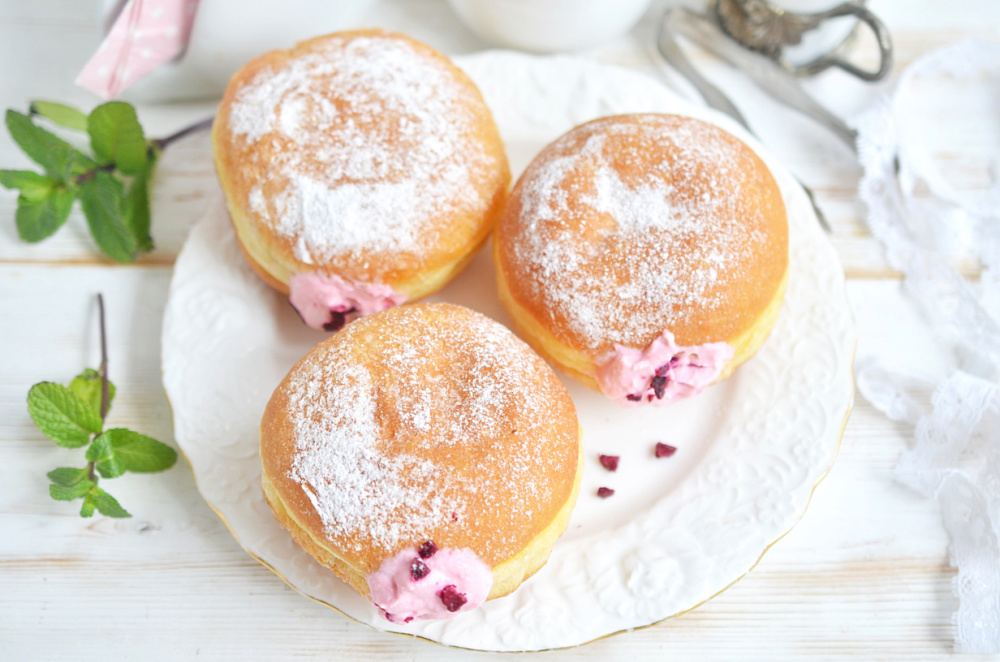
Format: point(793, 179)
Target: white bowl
point(549, 25)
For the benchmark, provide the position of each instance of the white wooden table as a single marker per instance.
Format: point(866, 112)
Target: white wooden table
point(864, 574)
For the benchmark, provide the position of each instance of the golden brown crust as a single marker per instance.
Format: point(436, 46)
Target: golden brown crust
point(635, 224)
point(370, 181)
point(507, 576)
point(423, 422)
point(339, 567)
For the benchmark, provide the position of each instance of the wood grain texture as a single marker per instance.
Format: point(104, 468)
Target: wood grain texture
point(864, 575)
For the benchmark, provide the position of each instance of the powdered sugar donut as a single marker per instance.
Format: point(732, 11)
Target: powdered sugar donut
point(426, 455)
point(361, 169)
point(645, 254)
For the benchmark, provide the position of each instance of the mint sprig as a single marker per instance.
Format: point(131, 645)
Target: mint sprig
point(112, 184)
point(73, 416)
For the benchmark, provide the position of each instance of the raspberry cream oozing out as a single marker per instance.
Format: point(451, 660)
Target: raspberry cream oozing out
point(418, 584)
point(661, 373)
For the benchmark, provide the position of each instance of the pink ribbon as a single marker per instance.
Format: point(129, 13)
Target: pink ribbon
point(146, 34)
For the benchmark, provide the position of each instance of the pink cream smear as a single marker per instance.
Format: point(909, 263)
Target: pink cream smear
point(429, 583)
point(661, 373)
point(328, 302)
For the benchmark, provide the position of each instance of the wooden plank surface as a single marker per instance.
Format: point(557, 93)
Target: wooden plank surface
point(864, 574)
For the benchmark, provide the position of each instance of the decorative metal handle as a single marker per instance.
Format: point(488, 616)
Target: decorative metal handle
point(834, 59)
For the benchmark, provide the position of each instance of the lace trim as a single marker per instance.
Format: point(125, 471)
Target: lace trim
point(965, 414)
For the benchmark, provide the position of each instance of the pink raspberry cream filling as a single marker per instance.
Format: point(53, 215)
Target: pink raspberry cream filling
point(428, 582)
point(330, 302)
point(661, 373)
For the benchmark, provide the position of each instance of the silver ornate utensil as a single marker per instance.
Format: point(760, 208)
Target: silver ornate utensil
point(764, 71)
point(768, 29)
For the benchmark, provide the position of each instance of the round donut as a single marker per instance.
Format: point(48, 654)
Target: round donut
point(646, 254)
point(360, 170)
point(426, 455)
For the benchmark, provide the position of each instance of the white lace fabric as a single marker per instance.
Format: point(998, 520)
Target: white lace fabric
point(918, 214)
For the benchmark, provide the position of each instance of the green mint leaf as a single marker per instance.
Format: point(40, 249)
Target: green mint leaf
point(60, 159)
point(100, 450)
point(116, 136)
point(70, 492)
point(106, 504)
point(42, 206)
point(61, 114)
point(110, 468)
point(136, 207)
point(31, 185)
point(39, 218)
point(102, 199)
point(87, 386)
point(89, 504)
point(61, 415)
point(67, 476)
point(102, 454)
point(139, 453)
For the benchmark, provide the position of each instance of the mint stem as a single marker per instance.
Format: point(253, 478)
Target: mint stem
point(103, 371)
point(104, 359)
point(90, 174)
point(158, 143)
point(161, 143)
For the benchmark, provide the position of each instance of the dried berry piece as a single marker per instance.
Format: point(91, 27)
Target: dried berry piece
point(338, 318)
point(604, 492)
point(634, 397)
point(664, 450)
point(659, 385)
point(609, 462)
point(427, 549)
point(418, 569)
point(451, 598)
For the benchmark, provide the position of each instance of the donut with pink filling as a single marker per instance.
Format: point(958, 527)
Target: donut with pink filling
point(647, 255)
point(426, 456)
point(360, 169)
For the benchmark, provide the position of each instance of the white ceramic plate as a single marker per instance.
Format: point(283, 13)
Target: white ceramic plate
point(677, 531)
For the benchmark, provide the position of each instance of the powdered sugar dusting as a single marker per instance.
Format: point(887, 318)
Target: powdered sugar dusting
point(643, 240)
point(340, 442)
point(367, 141)
point(433, 427)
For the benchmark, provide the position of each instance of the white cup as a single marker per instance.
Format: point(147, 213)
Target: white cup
point(549, 25)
